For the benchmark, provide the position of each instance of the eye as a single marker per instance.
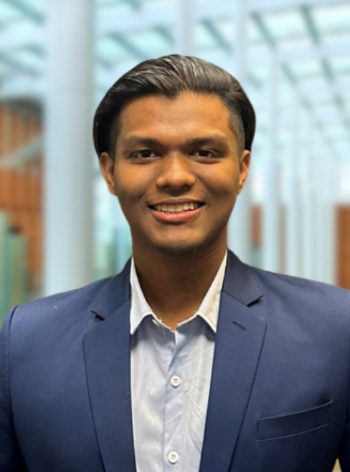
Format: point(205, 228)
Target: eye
point(143, 154)
point(206, 153)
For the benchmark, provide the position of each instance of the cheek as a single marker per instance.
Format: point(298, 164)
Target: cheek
point(223, 184)
point(128, 185)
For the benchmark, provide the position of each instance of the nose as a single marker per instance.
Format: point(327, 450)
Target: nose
point(175, 172)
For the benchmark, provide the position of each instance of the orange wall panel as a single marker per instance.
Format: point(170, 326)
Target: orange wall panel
point(20, 189)
point(343, 246)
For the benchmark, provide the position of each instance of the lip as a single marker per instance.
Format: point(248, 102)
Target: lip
point(176, 217)
point(175, 202)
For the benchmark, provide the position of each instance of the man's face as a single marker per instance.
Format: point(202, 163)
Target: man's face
point(172, 151)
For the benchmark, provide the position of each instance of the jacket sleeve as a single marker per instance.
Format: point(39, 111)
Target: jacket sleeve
point(344, 450)
point(11, 459)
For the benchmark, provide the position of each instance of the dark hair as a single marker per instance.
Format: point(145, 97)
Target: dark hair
point(169, 76)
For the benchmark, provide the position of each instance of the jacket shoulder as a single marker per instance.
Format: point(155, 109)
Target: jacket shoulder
point(303, 296)
point(64, 310)
point(284, 282)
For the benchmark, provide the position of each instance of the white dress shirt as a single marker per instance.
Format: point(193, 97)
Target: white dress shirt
point(170, 381)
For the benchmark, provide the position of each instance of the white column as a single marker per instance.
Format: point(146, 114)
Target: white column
point(271, 234)
point(308, 233)
point(307, 179)
point(239, 230)
point(186, 25)
point(330, 183)
point(316, 171)
point(293, 256)
point(325, 218)
point(68, 226)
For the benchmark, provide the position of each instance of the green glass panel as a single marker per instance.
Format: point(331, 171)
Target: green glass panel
point(13, 275)
point(18, 276)
point(4, 267)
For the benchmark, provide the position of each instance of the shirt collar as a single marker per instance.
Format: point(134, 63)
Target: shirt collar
point(208, 310)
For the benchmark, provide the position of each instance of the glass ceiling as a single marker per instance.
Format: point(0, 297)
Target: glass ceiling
point(310, 38)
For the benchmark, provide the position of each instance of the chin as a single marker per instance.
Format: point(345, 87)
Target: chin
point(182, 248)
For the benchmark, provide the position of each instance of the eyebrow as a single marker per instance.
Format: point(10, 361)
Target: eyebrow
point(149, 141)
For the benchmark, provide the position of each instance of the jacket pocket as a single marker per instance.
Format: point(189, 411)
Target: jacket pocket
point(278, 427)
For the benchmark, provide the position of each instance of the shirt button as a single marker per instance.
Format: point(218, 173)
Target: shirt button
point(173, 457)
point(175, 381)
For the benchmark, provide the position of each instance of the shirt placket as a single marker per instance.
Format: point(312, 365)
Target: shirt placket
point(174, 410)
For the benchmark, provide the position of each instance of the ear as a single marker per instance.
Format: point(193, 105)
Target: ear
point(244, 165)
point(107, 169)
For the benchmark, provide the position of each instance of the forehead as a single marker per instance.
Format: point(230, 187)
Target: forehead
point(188, 113)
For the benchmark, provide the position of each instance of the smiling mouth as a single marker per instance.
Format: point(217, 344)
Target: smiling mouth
point(176, 214)
point(179, 208)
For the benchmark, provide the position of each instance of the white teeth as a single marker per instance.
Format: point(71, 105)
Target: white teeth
point(177, 208)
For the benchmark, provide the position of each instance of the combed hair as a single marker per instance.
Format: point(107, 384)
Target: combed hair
point(169, 76)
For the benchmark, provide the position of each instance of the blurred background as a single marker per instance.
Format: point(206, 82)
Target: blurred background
point(60, 229)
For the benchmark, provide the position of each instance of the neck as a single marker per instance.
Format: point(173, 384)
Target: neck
point(174, 286)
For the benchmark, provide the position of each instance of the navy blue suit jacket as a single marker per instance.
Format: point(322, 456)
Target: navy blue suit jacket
point(279, 395)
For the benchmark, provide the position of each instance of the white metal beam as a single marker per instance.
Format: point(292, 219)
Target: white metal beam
point(16, 37)
point(239, 228)
point(156, 15)
point(278, 6)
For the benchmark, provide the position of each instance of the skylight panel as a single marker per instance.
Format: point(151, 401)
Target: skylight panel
point(225, 29)
point(332, 18)
point(253, 32)
point(160, 3)
point(293, 43)
point(259, 73)
point(115, 7)
point(39, 6)
point(5, 71)
point(343, 172)
point(30, 60)
point(320, 101)
point(337, 132)
point(286, 97)
point(20, 34)
point(204, 38)
point(340, 65)
point(108, 3)
point(343, 84)
point(283, 26)
point(8, 13)
point(318, 86)
point(150, 42)
point(306, 69)
point(258, 53)
point(110, 50)
point(347, 105)
point(218, 57)
point(327, 113)
point(106, 77)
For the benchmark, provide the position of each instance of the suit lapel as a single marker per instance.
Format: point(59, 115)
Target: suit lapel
point(239, 339)
point(107, 357)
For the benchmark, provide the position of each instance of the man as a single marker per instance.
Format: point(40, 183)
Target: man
point(188, 360)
